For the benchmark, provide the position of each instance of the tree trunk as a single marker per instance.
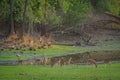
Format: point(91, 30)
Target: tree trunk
point(43, 24)
point(12, 31)
point(23, 20)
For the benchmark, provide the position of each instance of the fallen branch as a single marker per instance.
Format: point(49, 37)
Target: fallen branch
point(113, 15)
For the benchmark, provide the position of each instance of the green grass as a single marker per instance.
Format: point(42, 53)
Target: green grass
point(73, 72)
point(56, 50)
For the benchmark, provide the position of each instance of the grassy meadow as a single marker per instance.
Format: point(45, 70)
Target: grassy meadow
point(70, 72)
point(66, 72)
point(56, 50)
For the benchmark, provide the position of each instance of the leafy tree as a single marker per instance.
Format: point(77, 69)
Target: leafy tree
point(4, 10)
point(52, 12)
point(75, 12)
point(114, 6)
point(102, 5)
point(18, 8)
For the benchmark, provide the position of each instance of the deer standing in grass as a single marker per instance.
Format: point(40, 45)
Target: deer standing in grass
point(45, 60)
point(69, 61)
point(37, 61)
point(92, 61)
point(66, 61)
point(19, 60)
point(88, 58)
point(28, 63)
point(108, 62)
point(62, 61)
point(56, 61)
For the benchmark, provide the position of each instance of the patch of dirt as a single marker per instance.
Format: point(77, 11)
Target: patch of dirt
point(96, 27)
point(96, 33)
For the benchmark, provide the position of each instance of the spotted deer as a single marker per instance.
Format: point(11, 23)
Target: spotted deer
point(19, 60)
point(69, 61)
point(56, 61)
point(37, 61)
point(108, 62)
point(92, 61)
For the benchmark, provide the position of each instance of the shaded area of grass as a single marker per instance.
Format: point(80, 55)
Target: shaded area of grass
point(73, 72)
point(56, 50)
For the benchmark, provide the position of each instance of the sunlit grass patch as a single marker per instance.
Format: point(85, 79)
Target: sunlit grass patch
point(71, 72)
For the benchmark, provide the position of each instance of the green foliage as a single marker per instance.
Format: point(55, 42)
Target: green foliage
point(65, 12)
point(42, 12)
point(18, 6)
point(103, 5)
point(77, 11)
point(4, 10)
point(17, 10)
point(114, 6)
point(65, 6)
point(55, 3)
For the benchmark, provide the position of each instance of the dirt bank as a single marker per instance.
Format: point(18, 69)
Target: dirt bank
point(96, 55)
point(78, 58)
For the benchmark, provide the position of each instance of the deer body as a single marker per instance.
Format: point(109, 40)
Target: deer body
point(107, 62)
point(92, 61)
